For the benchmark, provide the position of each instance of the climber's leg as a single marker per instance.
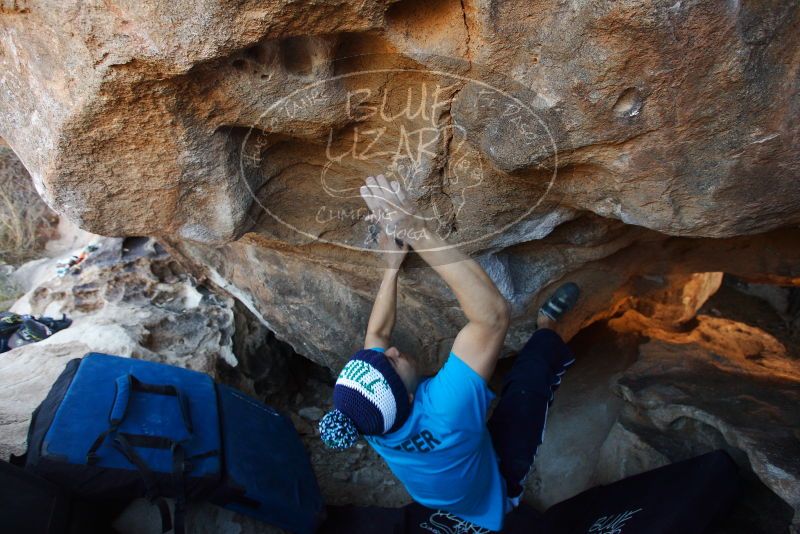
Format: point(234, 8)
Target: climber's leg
point(518, 422)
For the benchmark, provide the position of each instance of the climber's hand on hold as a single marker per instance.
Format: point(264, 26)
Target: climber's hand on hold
point(390, 207)
point(394, 251)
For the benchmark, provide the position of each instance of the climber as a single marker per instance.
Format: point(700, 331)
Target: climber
point(432, 431)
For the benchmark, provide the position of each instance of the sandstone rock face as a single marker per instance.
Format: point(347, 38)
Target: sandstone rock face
point(321, 309)
point(733, 379)
point(652, 124)
point(637, 148)
point(585, 141)
point(646, 392)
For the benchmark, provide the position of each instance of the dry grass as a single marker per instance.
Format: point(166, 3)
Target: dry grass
point(25, 220)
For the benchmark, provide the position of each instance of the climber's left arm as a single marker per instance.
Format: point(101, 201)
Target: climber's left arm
point(381, 320)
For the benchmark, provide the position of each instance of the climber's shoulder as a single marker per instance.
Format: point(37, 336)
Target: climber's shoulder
point(457, 395)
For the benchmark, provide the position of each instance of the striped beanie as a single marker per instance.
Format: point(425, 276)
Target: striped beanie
point(369, 398)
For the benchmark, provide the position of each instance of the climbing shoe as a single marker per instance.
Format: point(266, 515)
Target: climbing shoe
point(561, 301)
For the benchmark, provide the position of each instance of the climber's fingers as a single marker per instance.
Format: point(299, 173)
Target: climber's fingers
point(377, 189)
point(381, 210)
point(401, 195)
point(370, 194)
point(386, 190)
point(383, 205)
point(392, 193)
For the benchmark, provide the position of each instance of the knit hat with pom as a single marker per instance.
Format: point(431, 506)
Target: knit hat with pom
point(369, 398)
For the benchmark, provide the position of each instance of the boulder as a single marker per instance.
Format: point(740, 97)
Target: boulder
point(321, 309)
point(724, 384)
point(672, 136)
point(591, 142)
point(637, 148)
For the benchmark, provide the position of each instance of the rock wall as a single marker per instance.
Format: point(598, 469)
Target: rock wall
point(584, 141)
point(638, 148)
point(729, 376)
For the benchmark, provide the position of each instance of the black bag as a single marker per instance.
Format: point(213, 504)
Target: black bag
point(681, 498)
point(31, 505)
point(684, 497)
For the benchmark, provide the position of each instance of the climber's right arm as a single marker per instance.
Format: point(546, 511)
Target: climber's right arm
point(488, 313)
point(478, 344)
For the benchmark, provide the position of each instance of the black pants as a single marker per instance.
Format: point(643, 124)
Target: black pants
point(517, 424)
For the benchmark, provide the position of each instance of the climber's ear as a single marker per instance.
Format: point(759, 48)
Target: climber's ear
point(411, 398)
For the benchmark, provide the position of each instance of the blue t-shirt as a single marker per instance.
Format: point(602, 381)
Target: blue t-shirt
point(443, 453)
